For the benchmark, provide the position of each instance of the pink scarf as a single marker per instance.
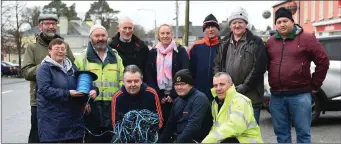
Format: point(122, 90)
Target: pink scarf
point(164, 65)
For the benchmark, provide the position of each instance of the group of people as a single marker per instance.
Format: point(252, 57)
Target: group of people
point(210, 93)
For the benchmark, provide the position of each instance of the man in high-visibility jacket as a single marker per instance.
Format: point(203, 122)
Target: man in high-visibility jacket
point(107, 65)
point(233, 119)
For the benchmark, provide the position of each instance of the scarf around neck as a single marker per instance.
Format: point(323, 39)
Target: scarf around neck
point(164, 65)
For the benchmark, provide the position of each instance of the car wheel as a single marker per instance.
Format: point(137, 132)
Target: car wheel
point(316, 108)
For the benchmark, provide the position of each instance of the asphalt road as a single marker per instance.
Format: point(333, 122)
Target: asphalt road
point(16, 114)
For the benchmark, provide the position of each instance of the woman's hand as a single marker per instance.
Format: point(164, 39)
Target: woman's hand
point(93, 94)
point(169, 99)
point(75, 93)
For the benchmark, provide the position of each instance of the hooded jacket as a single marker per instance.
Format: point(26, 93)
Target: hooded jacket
point(201, 55)
point(289, 62)
point(123, 102)
point(34, 54)
point(58, 114)
point(190, 119)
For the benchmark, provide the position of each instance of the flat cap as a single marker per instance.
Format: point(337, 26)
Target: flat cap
point(48, 17)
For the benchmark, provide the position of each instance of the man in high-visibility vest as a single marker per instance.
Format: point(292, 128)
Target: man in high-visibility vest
point(107, 65)
point(233, 119)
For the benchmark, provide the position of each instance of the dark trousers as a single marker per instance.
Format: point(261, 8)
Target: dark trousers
point(33, 137)
point(105, 138)
point(79, 140)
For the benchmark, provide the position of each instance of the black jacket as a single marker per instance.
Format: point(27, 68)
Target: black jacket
point(180, 61)
point(123, 102)
point(246, 64)
point(190, 119)
point(134, 52)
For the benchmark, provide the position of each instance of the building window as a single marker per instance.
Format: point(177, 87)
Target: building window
point(321, 10)
point(313, 11)
point(305, 5)
point(330, 9)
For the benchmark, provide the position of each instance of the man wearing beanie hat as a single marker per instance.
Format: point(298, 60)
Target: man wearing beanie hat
point(291, 51)
point(243, 56)
point(202, 54)
point(190, 119)
point(131, 48)
point(35, 52)
point(107, 65)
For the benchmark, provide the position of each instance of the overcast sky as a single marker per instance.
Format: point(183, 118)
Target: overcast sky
point(165, 11)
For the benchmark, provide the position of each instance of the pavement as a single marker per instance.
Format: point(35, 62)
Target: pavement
point(15, 109)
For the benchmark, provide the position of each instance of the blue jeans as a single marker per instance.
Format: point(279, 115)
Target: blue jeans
point(286, 109)
point(256, 112)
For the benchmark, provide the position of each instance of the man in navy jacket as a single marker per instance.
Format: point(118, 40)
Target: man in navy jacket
point(190, 119)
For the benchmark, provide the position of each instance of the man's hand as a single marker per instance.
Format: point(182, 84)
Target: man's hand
point(241, 89)
point(88, 108)
point(163, 100)
point(93, 94)
point(314, 92)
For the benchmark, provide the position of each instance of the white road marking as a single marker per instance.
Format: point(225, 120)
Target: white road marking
point(6, 91)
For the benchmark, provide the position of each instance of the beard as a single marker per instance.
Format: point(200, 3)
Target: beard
point(99, 44)
point(49, 34)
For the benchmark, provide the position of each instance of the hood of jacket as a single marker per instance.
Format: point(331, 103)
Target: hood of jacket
point(67, 65)
point(296, 31)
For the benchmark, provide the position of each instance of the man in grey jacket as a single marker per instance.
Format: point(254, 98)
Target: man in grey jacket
point(244, 57)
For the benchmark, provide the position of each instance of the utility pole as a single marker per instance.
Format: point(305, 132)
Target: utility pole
point(177, 21)
point(186, 23)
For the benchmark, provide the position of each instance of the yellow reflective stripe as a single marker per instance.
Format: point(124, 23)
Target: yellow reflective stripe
point(217, 124)
point(217, 135)
point(241, 115)
point(252, 125)
point(252, 140)
point(106, 84)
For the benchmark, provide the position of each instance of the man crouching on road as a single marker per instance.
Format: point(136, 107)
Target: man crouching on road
point(232, 113)
point(190, 119)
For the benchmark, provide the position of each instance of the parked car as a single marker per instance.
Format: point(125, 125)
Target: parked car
point(328, 98)
point(6, 70)
point(15, 67)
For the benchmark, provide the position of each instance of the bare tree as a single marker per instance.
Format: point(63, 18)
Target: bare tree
point(31, 15)
point(5, 18)
point(15, 27)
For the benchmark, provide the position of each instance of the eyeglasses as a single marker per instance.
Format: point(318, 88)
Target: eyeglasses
point(49, 23)
point(59, 48)
point(179, 84)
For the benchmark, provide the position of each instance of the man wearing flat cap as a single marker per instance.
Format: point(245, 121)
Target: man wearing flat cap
point(202, 54)
point(190, 119)
point(243, 56)
point(291, 51)
point(105, 62)
point(34, 54)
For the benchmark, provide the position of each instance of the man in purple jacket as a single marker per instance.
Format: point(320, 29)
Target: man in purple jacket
point(291, 51)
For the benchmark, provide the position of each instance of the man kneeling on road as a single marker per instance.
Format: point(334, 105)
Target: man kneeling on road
point(134, 95)
point(232, 112)
point(190, 119)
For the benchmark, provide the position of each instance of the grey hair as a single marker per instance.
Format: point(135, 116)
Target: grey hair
point(229, 79)
point(133, 69)
point(125, 19)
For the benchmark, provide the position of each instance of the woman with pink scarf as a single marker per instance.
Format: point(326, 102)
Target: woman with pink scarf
point(163, 62)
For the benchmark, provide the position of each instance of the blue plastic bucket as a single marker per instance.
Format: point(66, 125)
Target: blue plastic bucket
point(84, 83)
